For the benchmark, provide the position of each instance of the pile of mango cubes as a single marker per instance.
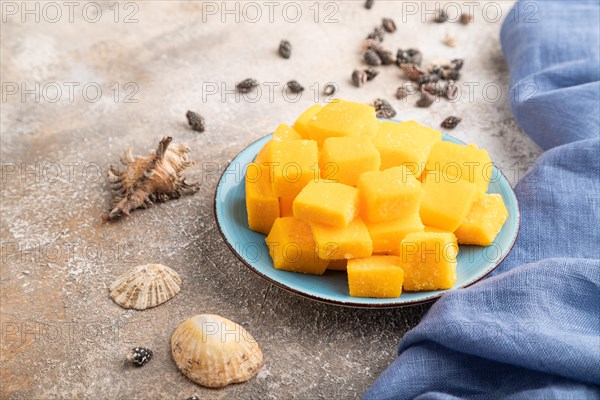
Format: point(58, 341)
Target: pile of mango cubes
point(387, 202)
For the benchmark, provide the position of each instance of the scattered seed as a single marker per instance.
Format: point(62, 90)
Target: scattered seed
point(404, 91)
point(433, 88)
point(450, 90)
point(389, 25)
point(410, 56)
point(371, 58)
point(426, 100)
point(371, 73)
point(194, 397)
point(195, 120)
point(369, 4)
point(449, 40)
point(441, 16)
point(428, 78)
point(415, 56)
point(372, 44)
point(294, 86)
point(387, 57)
point(139, 356)
point(285, 49)
point(329, 89)
point(466, 19)
point(456, 64)
point(384, 109)
point(413, 72)
point(359, 77)
point(451, 122)
point(450, 74)
point(378, 33)
point(246, 85)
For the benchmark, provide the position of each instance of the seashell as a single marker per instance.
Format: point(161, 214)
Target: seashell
point(145, 286)
point(214, 351)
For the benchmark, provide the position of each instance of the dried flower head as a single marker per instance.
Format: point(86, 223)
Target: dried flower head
point(285, 49)
point(195, 121)
point(149, 179)
point(451, 122)
point(246, 85)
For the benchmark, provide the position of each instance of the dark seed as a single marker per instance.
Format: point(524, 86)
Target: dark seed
point(329, 89)
point(285, 49)
point(371, 58)
point(466, 19)
point(371, 73)
point(405, 91)
point(426, 100)
point(450, 90)
point(294, 87)
point(359, 77)
point(372, 44)
point(378, 33)
point(433, 88)
point(415, 56)
point(384, 109)
point(139, 356)
point(389, 25)
point(413, 72)
point(369, 4)
point(441, 16)
point(450, 74)
point(456, 64)
point(428, 78)
point(451, 122)
point(195, 120)
point(193, 398)
point(436, 70)
point(246, 85)
point(387, 57)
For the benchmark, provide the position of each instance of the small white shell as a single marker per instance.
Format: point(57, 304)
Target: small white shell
point(145, 286)
point(214, 351)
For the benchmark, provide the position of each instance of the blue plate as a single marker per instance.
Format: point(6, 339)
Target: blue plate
point(474, 262)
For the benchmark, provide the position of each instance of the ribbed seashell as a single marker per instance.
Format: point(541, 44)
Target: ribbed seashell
point(145, 286)
point(214, 351)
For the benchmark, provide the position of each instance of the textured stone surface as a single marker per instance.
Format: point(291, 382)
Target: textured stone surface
point(62, 337)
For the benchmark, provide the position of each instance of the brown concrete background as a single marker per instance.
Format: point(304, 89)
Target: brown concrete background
point(62, 337)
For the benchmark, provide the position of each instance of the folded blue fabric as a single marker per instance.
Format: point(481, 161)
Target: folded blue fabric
point(532, 329)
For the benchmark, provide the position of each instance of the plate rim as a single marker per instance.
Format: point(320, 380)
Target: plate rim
point(352, 304)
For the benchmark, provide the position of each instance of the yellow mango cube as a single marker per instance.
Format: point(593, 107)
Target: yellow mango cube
point(261, 203)
point(337, 265)
point(285, 206)
point(342, 118)
point(334, 243)
point(428, 261)
point(281, 134)
point(467, 163)
point(301, 124)
point(292, 247)
point(483, 222)
point(388, 235)
point(345, 159)
point(388, 195)
point(376, 276)
point(405, 143)
point(438, 230)
point(446, 202)
point(293, 164)
point(327, 202)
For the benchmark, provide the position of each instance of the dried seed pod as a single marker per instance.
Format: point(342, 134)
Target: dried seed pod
point(195, 120)
point(246, 85)
point(425, 100)
point(139, 356)
point(329, 89)
point(214, 351)
point(466, 19)
point(285, 49)
point(359, 77)
point(384, 109)
point(456, 64)
point(387, 57)
point(371, 58)
point(442, 16)
point(389, 25)
point(450, 74)
point(371, 73)
point(378, 33)
point(451, 90)
point(149, 179)
point(369, 4)
point(294, 87)
point(449, 40)
point(451, 122)
point(413, 72)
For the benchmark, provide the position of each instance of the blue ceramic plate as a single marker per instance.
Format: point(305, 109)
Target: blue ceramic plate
point(474, 262)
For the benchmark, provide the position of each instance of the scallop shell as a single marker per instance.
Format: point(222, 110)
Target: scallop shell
point(145, 286)
point(214, 351)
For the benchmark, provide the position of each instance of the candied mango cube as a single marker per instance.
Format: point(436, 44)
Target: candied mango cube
point(337, 265)
point(438, 230)
point(281, 134)
point(388, 235)
point(344, 159)
point(446, 202)
point(483, 222)
point(261, 203)
point(334, 243)
point(292, 247)
point(342, 118)
point(301, 124)
point(376, 276)
point(405, 143)
point(293, 164)
point(428, 261)
point(388, 195)
point(327, 202)
point(468, 163)
point(285, 206)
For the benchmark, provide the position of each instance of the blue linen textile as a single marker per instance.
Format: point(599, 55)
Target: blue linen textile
point(532, 329)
